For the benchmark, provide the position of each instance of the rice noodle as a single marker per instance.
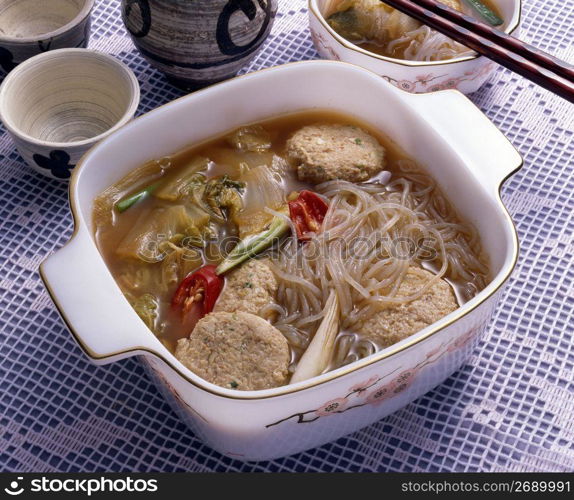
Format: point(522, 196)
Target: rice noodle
point(425, 44)
point(364, 252)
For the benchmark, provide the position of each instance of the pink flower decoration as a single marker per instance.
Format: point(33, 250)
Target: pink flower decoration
point(466, 339)
point(332, 407)
point(380, 394)
point(402, 381)
point(453, 346)
point(435, 88)
point(363, 386)
point(404, 377)
point(460, 342)
point(424, 78)
point(399, 387)
point(433, 352)
point(450, 84)
point(406, 85)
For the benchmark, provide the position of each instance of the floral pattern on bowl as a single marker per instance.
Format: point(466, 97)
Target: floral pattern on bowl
point(433, 83)
point(378, 389)
point(237, 423)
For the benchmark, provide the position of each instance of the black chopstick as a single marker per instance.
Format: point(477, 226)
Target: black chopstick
point(501, 38)
point(543, 69)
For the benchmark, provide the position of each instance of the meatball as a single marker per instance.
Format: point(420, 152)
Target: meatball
point(236, 350)
point(327, 152)
point(395, 323)
point(248, 288)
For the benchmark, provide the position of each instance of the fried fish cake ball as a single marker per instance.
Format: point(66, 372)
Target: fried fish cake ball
point(236, 350)
point(398, 322)
point(326, 152)
point(248, 289)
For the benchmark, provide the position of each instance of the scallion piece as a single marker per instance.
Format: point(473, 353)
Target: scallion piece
point(317, 356)
point(128, 201)
point(485, 12)
point(253, 245)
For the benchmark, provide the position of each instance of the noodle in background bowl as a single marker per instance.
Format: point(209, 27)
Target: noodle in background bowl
point(467, 73)
point(258, 425)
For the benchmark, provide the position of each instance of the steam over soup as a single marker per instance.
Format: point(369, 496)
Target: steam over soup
point(286, 249)
point(383, 30)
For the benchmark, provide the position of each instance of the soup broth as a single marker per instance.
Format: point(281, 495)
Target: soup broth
point(382, 30)
point(152, 245)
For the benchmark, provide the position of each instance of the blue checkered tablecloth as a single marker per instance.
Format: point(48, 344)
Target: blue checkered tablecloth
point(510, 407)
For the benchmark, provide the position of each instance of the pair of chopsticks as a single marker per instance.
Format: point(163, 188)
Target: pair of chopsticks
point(541, 68)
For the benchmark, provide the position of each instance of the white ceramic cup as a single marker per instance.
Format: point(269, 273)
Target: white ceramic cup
point(57, 105)
point(30, 27)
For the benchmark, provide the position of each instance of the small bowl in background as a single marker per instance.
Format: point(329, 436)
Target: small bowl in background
point(57, 105)
point(466, 74)
point(30, 27)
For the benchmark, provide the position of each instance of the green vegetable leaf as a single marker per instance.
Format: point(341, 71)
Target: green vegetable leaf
point(146, 307)
point(223, 193)
point(253, 245)
point(128, 201)
point(485, 12)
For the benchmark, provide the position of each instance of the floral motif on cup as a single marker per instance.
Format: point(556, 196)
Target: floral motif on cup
point(57, 162)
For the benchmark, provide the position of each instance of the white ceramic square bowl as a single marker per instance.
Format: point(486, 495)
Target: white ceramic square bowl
point(444, 131)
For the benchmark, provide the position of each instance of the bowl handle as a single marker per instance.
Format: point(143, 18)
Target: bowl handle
point(94, 309)
point(479, 143)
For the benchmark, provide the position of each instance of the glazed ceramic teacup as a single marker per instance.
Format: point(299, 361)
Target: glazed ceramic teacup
point(30, 27)
point(200, 42)
point(57, 105)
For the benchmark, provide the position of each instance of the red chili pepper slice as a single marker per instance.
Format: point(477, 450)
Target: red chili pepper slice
point(307, 213)
point(200, 287)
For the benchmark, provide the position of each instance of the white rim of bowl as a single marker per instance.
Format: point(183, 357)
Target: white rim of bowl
point(108, 59)
point(513, 24)
point(83, 14)
point(463, 311)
